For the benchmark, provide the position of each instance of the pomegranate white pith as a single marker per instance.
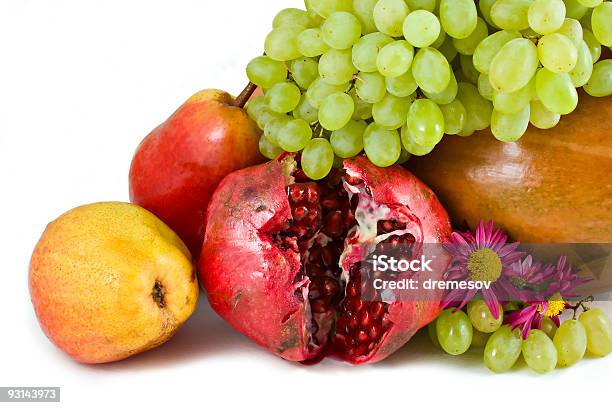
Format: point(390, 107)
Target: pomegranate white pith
point(282, 257)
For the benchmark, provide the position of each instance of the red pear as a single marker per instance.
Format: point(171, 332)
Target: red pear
point(177, 167)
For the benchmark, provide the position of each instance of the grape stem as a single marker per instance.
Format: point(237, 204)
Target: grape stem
point(581, 304)
point(244, 96)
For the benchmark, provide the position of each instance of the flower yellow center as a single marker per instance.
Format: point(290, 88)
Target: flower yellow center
point(484, 265)
point(556, 305)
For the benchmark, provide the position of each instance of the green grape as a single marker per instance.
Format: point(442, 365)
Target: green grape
point(365, 52)
point(291, 17)
point(485, 9)
point(478, 109)
point(549, 327)
point(454, 331)
point(468, 45)
point(364, 10)
point(572, 29)
point(341, 30)
point(458, 17)
point(273, 127)
point(468, 69)
point(325, 8)
point(590, 3)
point(317, 158)
point(429, 5)
point(421, 28)
point(411, 146)
point(485, 88)
point(371, 87)
point(511, 14)
point(585, 21)
point(265, 116)
point(395, 58)
point(404, 157)
point(363, 109)
point(336, 110)
point(598, 329)
point(601, 23)
point(514, 65)
point(265, 72)
point(447, 95)
point(425, 122)
point(489, 47)
point(304, 71)
point(557, 53)
point(336, 67)
point(600, 83)
point(503, 349)
point(593, 44)
point(306, 111)
point(479, 339)
point(512, 102)
point(283, 97)
point(255, 107)
point(391, 111)
point(583, 70)
point(269, 150)
point(510, 127)
point(481, 316)
point(431, 70)
point(448, 49)
point(573, 9)
point(402, 86)
point(281, 43)
point(294, 135)
point(348, 141)
point(556, 91)
point(454, 117)
point(571, 342)
point(382, 146)
point(546, 16)
point(320, 90)
point(539, 352)
point(389, 16)
point(541, 117)
point(440, 40)
point(310, 43)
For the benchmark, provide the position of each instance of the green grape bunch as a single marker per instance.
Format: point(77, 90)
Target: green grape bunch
point(391, 78)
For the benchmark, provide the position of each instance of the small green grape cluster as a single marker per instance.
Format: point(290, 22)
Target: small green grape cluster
point(543, 350)
point(391, 77)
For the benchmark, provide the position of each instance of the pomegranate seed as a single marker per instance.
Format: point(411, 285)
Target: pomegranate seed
point(333, 224)
point(330, 287)
point(320, 305)
point(312, 193)
point(352, 289)
point(353, 322)
point(363, 337)
point(366, 319)
point(299, 213)
point(355, 304)
point(327, 256)
point(330, 202)
point(377, 309)
point(374, 333)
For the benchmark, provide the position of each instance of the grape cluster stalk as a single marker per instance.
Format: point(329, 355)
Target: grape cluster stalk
point(393, 77)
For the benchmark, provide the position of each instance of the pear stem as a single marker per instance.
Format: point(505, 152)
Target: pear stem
point(244, 96)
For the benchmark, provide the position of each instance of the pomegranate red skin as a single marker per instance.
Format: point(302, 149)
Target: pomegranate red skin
point(177, 167)
point(250, 282)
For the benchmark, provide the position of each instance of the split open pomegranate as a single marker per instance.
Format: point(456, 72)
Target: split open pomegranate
point(283, 257)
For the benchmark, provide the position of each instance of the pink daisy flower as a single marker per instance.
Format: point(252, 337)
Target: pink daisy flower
point(563, 284)
point(482, 256)
point(526, 277)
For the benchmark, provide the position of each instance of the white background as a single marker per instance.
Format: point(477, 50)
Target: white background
point(81, 82)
